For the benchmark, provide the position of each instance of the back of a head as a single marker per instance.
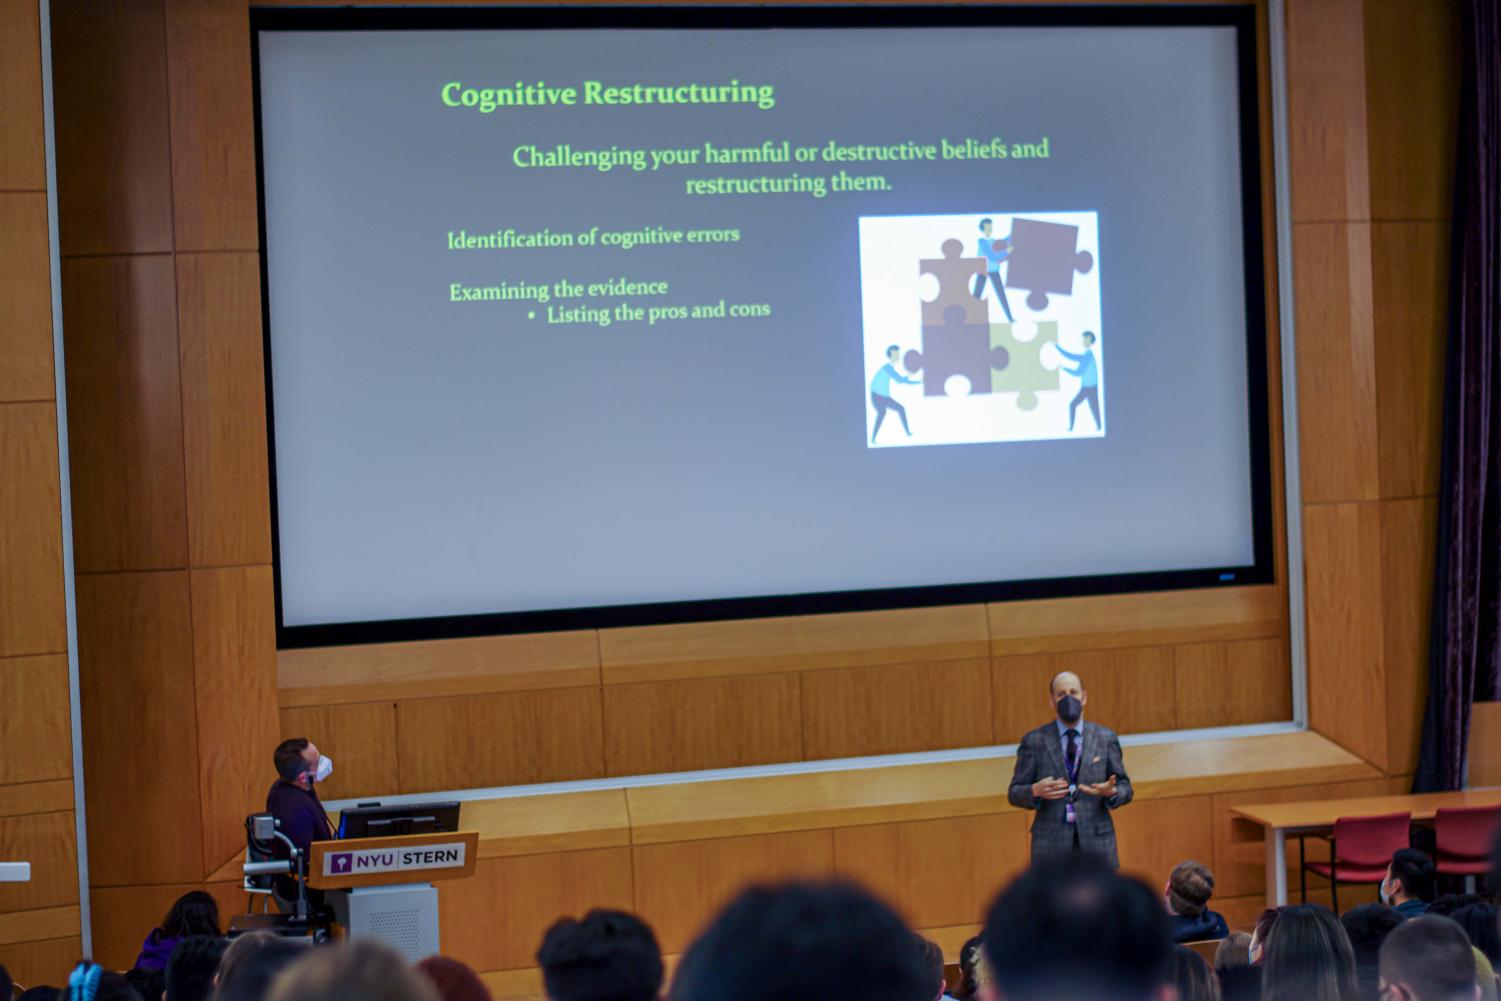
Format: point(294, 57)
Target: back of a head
point(91, 982)
point(604, 956)
point(1238, 979)
point(1416, 871)
point(1189, 888)
point(1430, 958)
point(7, 987)
point(42, 992)
point(252, 962)
point(803, 942)
point(1367, 927)
point(362, 970)
point(191, 969)
point(453, 980)
point(1447, 903)
point(1071, 928)
point(148, 983)
point(965, 989)
point(932, 957)
point(1479, 923)
point(193, 913)
point(1308, 957)
point(1192, 976)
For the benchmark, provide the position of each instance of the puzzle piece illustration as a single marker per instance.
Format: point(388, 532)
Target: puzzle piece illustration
point(1044, 257)
point(955, 274)
point(957, 348)
point(1025, 375)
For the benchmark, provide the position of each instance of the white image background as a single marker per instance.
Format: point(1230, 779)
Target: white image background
point(893, 289)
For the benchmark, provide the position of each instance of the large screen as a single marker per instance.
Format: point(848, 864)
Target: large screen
point(600, 316)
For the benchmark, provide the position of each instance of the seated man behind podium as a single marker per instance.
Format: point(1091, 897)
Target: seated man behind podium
point(293, 801)
point(1072, 773)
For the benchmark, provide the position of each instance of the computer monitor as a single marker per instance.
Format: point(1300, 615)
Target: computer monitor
point(375, 820)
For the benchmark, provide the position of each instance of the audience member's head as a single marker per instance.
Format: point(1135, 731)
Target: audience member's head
point(932, 957)
point(91, 982)
point(1427, 959)
point(1479, 923)
point(251, 963)
point(191, 970)
point(1189, 888)
point(1411, 876)
point(454, 980)
point(194, 913)
point(1308, 957)
point(146, 982)
point(604, 955)
point(1260, 932)
point(1192, 976)
point(1071, 928)
point(803, 942)
point(361, 970)
point(1367, 927)
point(7, 988)
point(1239, 980)
point(41, 993)
point(965, 989)
point(1448, 903)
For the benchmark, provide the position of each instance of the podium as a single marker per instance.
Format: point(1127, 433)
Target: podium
point(383, 887)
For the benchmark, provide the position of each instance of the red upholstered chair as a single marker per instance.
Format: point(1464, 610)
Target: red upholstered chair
point(1359, 851)
point(1464, 839)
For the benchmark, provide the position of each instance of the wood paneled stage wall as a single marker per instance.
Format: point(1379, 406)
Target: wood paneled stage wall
point(39, 920)
point(184, 694)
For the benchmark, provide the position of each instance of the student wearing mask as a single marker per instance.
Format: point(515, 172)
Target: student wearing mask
point(1072, 773)
point(1409, 883)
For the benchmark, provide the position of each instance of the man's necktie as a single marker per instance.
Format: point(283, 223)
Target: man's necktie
point(1071, 759)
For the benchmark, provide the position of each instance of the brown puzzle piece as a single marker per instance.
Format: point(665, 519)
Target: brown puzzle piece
point(954, 273)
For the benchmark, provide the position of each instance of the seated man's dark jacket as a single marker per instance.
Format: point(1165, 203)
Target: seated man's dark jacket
point(1198, 927)
point(303, 820)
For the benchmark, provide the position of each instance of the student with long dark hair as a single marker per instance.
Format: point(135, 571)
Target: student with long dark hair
point(194, 913)
point(1308, 957)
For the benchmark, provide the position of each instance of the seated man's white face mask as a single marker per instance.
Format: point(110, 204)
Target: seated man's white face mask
point(323, 771)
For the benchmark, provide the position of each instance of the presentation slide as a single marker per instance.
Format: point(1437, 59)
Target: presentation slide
point(583, 317)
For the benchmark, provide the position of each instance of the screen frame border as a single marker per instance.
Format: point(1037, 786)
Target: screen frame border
point(1242, 17)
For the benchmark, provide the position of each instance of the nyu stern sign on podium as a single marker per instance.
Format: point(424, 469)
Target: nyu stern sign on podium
point(369, 861)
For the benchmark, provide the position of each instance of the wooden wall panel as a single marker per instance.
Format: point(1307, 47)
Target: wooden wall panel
point(1327, 128)
point(40, 924)
point(124, 412)
point(1410, 272)
point(496, 740)
point(31, 581)
point(360, 738)
point(935, 872)
point(36, 733)
point(495, 920)
point(36, 797)
point(1408, 529)
point(25, 286)
point(1019, 693)
point(886, 710)
point(49, 962)
point(135, 654)
point(213, 135)
point(1346, 682)
point(1413, 115)
point(1484, 752)
point(1336, 362)
point(22, 166)
point(795, 643)
point(1229, 684)
point(234, 662)
point(480, 665)
point(223, 408)
point(713, 723)
point(114, 176)
point(46, 841)
point(1122, 620)
point(1130, 690)
point(680, 887)
point(1153, 835)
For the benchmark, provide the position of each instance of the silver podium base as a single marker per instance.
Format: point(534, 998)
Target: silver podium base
point(404, 917)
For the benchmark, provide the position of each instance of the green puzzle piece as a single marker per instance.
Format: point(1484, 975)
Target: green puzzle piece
point(1024, 373)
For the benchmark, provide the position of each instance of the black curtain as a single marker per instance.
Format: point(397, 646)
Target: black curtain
point(1465, 644)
